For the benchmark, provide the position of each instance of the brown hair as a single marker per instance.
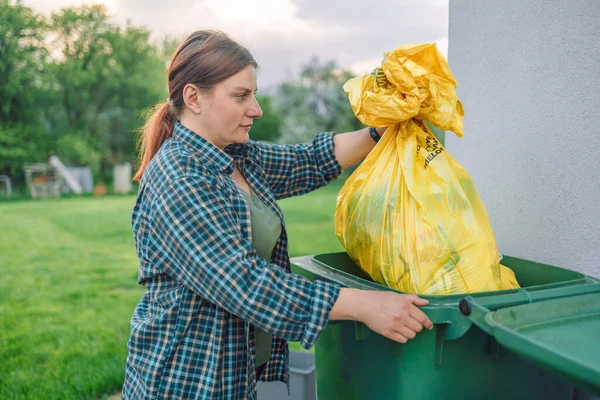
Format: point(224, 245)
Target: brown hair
point(204, 59)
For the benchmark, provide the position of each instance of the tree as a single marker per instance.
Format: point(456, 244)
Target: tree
point(268, 127)
point(315, 102)
point(23, 87)
point(22, 59)
point(167, 46)
point(105, 76)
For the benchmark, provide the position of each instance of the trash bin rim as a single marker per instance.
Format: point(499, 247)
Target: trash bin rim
point(321, 269)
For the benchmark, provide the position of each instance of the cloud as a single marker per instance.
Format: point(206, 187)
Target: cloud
point(48, 6)
point(284, 34)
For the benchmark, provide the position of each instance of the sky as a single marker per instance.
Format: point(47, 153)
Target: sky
point(285, 34)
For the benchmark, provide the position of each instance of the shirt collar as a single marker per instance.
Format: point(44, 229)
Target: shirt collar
point(211, 154)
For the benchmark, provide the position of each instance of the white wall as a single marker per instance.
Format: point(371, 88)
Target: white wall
point(529, 78)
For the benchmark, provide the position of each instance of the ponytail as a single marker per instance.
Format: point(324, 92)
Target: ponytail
point(157, 128)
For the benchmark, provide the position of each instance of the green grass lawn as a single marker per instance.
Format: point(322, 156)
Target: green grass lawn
point(70, 285)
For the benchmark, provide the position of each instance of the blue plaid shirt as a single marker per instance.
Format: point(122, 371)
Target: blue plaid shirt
point(192, 333)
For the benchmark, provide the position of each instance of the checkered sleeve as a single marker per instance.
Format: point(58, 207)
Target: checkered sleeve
point(197, 240)
point(292, 170)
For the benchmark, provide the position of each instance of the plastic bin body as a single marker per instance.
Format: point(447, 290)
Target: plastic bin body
point(457, 360)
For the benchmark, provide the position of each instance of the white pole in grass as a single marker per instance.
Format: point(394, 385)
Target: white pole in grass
point(4, 178)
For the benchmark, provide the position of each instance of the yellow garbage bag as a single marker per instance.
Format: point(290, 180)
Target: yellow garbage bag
point(410, 215)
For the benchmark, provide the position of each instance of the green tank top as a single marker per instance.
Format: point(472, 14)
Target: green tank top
point(266, 229)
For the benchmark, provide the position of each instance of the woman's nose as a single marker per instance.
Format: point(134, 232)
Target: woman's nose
point(255, 111)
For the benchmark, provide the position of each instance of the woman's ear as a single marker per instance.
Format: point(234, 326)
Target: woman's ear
point(192, 98)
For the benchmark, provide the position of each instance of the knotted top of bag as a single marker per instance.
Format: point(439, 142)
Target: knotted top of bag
point(414, 81)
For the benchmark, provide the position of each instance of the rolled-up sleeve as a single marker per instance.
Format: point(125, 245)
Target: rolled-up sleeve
point(197, 241)
point(296, 169)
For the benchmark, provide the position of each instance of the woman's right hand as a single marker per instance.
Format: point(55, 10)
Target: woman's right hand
point(393, 315)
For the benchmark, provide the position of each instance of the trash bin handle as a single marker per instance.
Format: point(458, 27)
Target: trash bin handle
point(525, 297)
point(476, 310)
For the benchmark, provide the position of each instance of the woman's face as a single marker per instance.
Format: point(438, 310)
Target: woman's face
point(227, 113)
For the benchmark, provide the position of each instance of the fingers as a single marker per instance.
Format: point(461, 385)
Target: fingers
point(413, 324)
point(421, 318)
point(397, 337)
point(419, 302)
point(399, 317)
point(407, 332)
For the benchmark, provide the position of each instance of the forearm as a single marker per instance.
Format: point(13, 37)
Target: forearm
point(351, 147)
point(348, 305)
point(292, 170)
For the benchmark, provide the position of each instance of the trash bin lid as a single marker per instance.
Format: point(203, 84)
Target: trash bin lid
point(561, 334)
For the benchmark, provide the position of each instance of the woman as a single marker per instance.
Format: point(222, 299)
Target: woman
point(221, 302)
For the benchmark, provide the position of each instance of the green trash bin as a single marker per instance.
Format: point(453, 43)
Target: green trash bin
point(537, 342)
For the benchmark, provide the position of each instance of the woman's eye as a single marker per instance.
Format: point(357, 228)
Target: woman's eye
point(241, 96)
